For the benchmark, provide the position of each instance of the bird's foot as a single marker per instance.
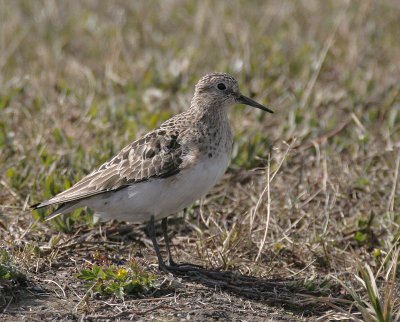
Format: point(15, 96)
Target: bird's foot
point(166, 268)
point(172, 267)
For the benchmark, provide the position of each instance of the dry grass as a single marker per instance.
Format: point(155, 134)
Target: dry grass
point(312, 191)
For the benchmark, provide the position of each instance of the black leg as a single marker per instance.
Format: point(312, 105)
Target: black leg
point(172, 266)
point(152, 232)
point(164, 224)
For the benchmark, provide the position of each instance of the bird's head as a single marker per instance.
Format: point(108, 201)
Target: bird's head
point(221, 90)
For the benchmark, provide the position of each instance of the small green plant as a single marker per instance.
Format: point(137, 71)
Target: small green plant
point(320, 285)
point(378, 305)
point(8, 271)
point(364, 236)
point(118, 281)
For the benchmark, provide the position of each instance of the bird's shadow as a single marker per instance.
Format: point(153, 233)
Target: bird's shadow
point(296, 294)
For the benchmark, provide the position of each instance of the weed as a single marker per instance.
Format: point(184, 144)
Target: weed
point(118, 281)
point(9, 272)
point(377, 304)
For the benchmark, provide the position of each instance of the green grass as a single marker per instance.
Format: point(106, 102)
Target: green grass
point(78, 81)
point(118, 281)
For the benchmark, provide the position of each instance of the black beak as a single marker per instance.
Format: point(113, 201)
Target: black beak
point(248, 101)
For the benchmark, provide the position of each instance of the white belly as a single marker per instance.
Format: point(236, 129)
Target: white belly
point(160, 197)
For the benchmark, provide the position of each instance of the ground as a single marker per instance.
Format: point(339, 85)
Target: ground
point(305, 223)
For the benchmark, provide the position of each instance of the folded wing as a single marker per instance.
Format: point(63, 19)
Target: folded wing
point(156, 155)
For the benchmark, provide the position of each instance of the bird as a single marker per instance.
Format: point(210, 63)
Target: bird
point(167, 169)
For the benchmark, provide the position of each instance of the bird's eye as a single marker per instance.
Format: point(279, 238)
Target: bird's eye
point(221, 86)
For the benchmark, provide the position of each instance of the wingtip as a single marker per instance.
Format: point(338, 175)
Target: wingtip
point(35, 206)
point(40, 205)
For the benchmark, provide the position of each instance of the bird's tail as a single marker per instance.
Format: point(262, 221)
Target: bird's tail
point(63, 208)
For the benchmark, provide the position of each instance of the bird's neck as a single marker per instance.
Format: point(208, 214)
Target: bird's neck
point(209, 112)
point(213, 124)
point(214, 118)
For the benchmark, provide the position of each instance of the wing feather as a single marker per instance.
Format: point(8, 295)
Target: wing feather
point(156, 155)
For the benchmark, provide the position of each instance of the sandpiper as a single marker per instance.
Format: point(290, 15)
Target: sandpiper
point(167, 169)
